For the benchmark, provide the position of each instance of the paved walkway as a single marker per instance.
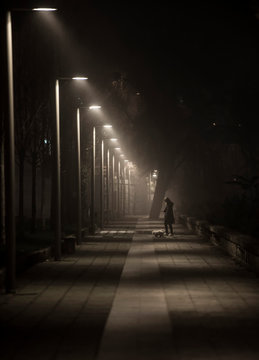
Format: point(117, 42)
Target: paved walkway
point(127, 295)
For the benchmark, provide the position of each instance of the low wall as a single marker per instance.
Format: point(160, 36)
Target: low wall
point(243, 248)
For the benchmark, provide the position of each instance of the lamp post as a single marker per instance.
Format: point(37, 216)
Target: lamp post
point(101, 183)
point(107, 195)
point(79, 202)
point(112, 187)
point(10, 168)
point(10, 159)
point(122, 184)
point(92, 206)
point(115, 193)
point(129, 192)
point(56, 185)
point(108, 184)
point(118, 187)
point(101, 173)
point(126, 198)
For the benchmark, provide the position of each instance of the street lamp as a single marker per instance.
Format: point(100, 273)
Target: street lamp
point(79, 78)
point(10, 161)
point(44, 9)
point(116, 193)
point(101, 174)
point(123, 185)
point(79, 202)
point(126, 188)
point(92, 206)
point(108, 177)
point(94, 107)
point(130, 167)
point(101, 183)
point(118, 187)
point(108, 184)
point(57, 189)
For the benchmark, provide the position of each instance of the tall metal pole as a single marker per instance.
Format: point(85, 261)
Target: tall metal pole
point(112, 187)
point(79, 202)
point(118, 184)
point(57, 191)
point(101, 183)
point(10, 168)
point(126, 187)
point(123, 188)
point(129, 192)
point(92, 208)
point(149, 190)
point(108, 183)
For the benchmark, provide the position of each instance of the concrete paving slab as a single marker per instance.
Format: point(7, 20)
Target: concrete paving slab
point(170, 298)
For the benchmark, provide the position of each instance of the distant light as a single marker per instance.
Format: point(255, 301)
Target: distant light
point(214, 124)
point(79, 78)
point(94, 107)
point(44, 9)
point(126, 160)
point(118, 148)
point(107, 126)
point(137, 93)
point(113, 139)
point(45, 141)
point(154, 174)
point(122, 155)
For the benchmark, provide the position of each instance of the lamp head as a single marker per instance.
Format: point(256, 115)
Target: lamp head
point(94, 107)
point(79, 78)
point(44, 9)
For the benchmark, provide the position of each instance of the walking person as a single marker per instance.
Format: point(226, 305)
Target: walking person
point(169, 216)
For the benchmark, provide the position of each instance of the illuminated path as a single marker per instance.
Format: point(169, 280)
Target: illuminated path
point(181, 298)
point(125, 295)
point(138, 326)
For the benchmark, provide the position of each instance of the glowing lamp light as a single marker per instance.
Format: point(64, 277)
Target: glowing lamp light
point(154, 175)
point(79, 78)
point(94, 107)
point(121, 155)
point(107, 126)
point(44, 9)
point(113, 139)
point(117, 148)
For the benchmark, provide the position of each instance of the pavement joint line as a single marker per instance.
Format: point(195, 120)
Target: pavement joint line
point(40, 293)
point(200, 292)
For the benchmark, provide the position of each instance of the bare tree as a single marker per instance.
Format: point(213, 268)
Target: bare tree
point(23, 133)
point(38, 156)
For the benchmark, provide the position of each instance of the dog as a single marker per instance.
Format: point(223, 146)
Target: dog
point(158, 233)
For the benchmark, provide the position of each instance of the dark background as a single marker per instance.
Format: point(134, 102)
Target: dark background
point(179, 80)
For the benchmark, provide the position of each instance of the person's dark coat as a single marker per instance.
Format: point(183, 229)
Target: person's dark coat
point(169, 213)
